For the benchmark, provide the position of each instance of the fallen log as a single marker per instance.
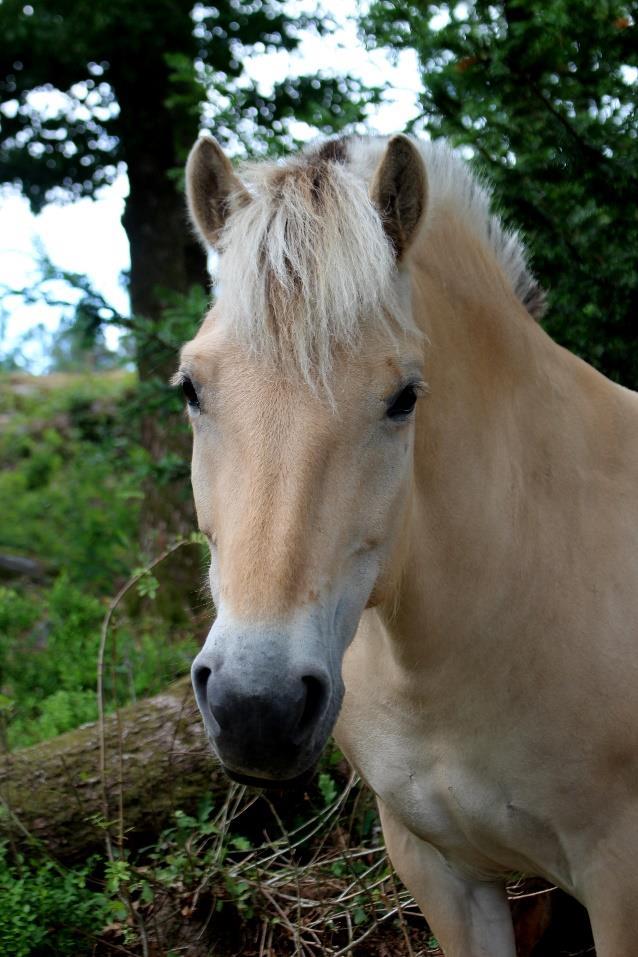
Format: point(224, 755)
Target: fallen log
point(157, 759)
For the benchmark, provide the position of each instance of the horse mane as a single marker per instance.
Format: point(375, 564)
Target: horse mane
point(307, 264)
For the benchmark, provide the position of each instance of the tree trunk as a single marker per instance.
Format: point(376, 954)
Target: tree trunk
point(165, 261)
point(157, 748)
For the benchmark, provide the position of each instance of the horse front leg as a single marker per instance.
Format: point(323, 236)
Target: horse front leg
point(612, 913)
point(615, 930)
point(469, 918)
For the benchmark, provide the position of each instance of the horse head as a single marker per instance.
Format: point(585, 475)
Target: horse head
point(301, 387)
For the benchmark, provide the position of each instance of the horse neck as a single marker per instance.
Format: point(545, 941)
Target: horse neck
point(483, 446)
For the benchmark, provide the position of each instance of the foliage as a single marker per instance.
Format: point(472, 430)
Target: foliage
point(104, 107)
point(48, 659)
point(68, 456)
point(46, 908)
point(70, 488)
point(544, 94)
point(301, 875)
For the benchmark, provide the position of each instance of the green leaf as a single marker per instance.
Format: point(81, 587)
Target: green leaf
point(328, 788)
point(148, 586)
point(241, 843)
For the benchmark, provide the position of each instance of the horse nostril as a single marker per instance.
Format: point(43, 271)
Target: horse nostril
point(315, 695)
point(201, 674)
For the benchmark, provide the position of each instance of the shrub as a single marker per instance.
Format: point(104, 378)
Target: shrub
point(45, 908)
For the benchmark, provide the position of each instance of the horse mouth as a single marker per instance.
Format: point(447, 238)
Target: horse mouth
point(271, 784)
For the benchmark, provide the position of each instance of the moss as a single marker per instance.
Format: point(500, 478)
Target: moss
point(54, 788)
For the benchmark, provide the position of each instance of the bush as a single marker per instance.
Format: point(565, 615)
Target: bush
point(48, 652)
point(70, 493)
point(70, 480)
point(46, 908)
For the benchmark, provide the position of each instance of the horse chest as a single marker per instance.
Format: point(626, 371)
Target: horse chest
point(455, 798)
point(429, 792)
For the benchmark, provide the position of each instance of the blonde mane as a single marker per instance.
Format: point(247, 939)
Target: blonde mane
point(307, 265)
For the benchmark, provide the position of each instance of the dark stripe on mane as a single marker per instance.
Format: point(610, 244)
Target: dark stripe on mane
point(535, 300)
point(332, 151)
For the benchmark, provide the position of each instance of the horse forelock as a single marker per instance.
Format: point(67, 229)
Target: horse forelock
point(306, 264)
point(306, 267)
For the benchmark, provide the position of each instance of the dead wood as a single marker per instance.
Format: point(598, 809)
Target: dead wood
point(157, 760)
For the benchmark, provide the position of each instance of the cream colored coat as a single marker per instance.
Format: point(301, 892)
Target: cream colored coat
point(491, 689)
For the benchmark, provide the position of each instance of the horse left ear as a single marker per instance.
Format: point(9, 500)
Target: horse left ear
point(399, 191)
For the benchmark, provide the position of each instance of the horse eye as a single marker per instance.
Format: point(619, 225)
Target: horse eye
point(403, 404)
point(189, 393)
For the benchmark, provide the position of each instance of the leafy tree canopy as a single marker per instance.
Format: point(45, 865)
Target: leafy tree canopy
point(88, 84)
point(544, 93)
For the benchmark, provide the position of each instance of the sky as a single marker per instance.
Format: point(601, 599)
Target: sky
point(87, 236)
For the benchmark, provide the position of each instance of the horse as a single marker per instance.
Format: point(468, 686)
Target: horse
point(423, 524)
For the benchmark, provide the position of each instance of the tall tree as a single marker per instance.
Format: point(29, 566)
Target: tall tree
point(92, 87)
point(544, 92)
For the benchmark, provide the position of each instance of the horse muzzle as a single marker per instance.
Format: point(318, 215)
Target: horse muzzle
point(267, 711)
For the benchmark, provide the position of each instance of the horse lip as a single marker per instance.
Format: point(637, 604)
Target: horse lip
point(271, 784)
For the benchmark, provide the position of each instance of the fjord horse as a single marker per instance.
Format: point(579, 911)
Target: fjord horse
point(423, 525)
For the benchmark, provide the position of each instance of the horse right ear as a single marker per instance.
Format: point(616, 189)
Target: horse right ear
point(213, 189)
point(399, 191)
